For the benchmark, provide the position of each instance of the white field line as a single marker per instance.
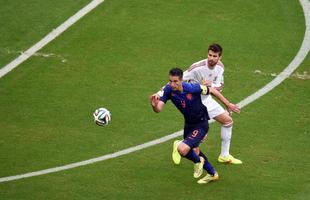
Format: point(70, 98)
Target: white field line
point(49, 37)
point(300, 56)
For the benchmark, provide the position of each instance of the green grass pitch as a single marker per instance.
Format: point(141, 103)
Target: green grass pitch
point(118, 55)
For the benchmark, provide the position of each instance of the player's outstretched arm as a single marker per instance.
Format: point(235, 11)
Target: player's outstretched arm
point(219, 96)
point(156, 104)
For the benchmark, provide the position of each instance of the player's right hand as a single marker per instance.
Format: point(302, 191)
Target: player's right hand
point(155, 96)
point(234, 108)
point(154, 99)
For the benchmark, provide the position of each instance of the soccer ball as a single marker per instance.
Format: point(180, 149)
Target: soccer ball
point(102, 116)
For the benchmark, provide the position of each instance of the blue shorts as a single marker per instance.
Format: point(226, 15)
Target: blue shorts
point(194, 133)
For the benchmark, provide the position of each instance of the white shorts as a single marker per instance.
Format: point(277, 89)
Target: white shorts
point(214, 108)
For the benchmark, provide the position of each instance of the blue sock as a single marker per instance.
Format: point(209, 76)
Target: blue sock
point(191, 155)
point(207, 166)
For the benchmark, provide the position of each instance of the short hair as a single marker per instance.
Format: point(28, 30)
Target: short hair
point(216, 48)
point(176, 72)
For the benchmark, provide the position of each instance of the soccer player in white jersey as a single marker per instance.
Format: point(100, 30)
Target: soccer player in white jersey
point(210, 72)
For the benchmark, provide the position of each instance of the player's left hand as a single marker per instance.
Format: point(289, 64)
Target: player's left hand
point(234, 108)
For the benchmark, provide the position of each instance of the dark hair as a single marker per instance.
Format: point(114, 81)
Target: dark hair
point(216, 48)
point(176, 72)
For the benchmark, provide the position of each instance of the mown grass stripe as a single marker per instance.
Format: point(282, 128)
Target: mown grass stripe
point(49, 37)
point(300, 56)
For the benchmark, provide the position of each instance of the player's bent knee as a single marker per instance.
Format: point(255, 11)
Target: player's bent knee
point(228, 124)
point(227, 120)
point(183, 152)
point(224, 119)
point(183, 149)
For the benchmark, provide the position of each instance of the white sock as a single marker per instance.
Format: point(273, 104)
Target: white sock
point(226, 132)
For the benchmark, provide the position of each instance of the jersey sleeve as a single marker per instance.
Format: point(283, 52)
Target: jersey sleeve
point(219, 81)
point(161, 91)
point(187, 76)
point(165, 94)
point(197, 64)
point(190, 76)
point(222, 79)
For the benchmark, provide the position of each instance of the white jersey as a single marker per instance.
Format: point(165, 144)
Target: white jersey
point(199, 71)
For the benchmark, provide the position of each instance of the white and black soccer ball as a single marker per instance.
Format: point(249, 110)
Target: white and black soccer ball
point(102, 116)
